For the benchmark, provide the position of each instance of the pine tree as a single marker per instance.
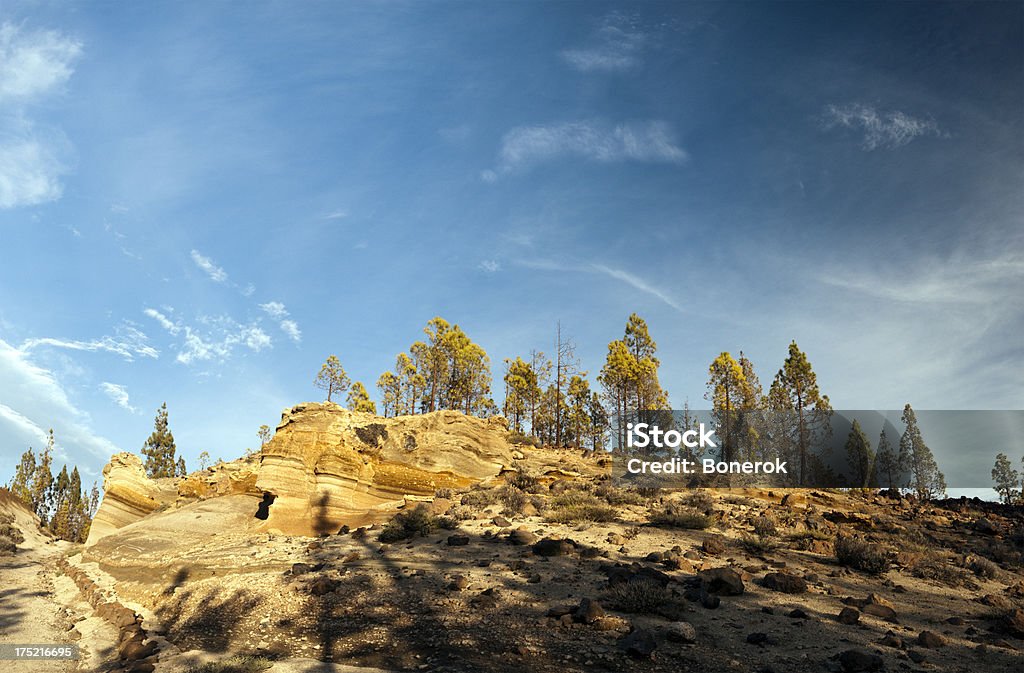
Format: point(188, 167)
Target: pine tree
point(795, 393)
point(859, 456)
point(332, 377)
point(598, 421)
point(388, 385)
point(928, 481)
point(1006, 478)
point(578, 413)
point(42, 483)
point(179, 469)
point(21, 486)
point(159, 448)
point(728, 392)
point(359, 399)
point(60, 520)
point(889, 466)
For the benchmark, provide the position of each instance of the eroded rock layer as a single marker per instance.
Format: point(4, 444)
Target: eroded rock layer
point(324, 468)
point(328, 466)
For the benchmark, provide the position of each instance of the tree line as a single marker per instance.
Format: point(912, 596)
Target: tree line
point(549, 398)
point(62, 505)
point(1007, 480)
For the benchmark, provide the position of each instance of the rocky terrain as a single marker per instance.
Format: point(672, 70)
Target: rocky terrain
point(432, 543)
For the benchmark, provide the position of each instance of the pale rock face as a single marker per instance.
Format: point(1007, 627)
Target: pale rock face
point(128, 495)
point(328, 466)
point(325, 466)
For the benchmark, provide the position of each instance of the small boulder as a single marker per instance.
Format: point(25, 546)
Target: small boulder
point(322, 586)
point(714, 544)
point(521, 536)
point(501, 522)
point(550, 546)
point(985, 527)
point(681, 632)
point(930, 639)
point(721, 581)
point(588, 612)
point(856, 661)
point(849, 616)
point(1014, 622)
point(640, 644)
point(458, 540)
point(785, 583)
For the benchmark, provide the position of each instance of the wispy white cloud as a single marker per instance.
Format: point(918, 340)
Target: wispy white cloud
point(647, 142)
point(490, 266)
point(290, 328)
point(32, 398)
point(33, 65)
point(880, 129)
point(128, 341)
point(639, 284)
point(164, 321)
point(958, 279)
point(630, 279)
point(215, 273)
point(615, 46)
point(219, 343)
point(275, 310)
point(119, 394)
point(336, 215)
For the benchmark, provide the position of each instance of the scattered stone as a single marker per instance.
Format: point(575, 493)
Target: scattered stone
point(681, 632)
point(916, 656)
point(588, 612)
point(849, 616)
point(892, 640)
point(798, 613)
point(985, 527)
point(501, 522)
point(714, 544)
point(522, 536)
point(458, 583)
point(855, 661)
point(616, 540)
point(322, 586)
point(1014, 622)
point(785, 583)
point(930, 639)
point(721, 582)
point(759, 639)
point(956, 621)
point(710, 601)
point(640, 644)
point(550, 546)
point(458, 540)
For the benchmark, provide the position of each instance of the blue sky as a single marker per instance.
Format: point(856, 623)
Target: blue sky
point(200, 201)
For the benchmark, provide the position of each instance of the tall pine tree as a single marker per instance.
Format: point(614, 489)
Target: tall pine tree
point(159, 449)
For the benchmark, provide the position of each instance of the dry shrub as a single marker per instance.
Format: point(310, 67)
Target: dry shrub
point(862, 555)
point(408, 524)
point(982, 567)
point(576, 506)
point(758, 545)
point(764, 527)
point(480, 498)
point(677, 516)
point(640, 596)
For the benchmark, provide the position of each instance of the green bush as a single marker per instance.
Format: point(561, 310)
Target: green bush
point(862, 555)
point(595, 512)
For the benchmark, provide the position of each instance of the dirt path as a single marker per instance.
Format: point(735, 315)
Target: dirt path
point(30, 613)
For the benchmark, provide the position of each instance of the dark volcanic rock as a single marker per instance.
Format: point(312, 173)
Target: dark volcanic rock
point(550, 546)
point(588, 611)
point(849, 616)
point(640, 644)
point(721, 581)
point(784, 582)
point(521, 536)
point(930, 639)
point(458, 540)
point(855, 661)
point(714, 544)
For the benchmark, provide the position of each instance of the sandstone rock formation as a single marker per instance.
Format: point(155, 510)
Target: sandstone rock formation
point(324, 468)
point(327, 466)
point(128, 495)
